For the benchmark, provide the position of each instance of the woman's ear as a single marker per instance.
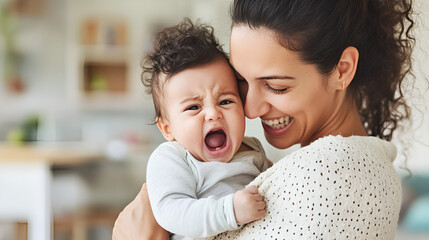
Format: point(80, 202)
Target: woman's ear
point(164, 127)
point(346, 68)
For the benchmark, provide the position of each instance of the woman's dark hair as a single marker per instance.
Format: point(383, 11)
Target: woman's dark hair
point(177, 48)
point(320, 30)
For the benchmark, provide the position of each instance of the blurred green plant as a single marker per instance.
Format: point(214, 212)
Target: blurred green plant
point(26, 132)
point(11, 55)
point(98, 83)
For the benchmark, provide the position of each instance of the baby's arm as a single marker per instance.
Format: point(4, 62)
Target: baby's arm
point(171, 187)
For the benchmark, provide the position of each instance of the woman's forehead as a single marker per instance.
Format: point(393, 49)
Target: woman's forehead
point(256, 53)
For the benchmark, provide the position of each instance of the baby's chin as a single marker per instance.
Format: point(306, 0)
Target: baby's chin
point(223, 158)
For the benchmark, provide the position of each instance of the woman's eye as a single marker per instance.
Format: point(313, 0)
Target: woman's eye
point(276, 90)
point(193, 108)
point(225, 102)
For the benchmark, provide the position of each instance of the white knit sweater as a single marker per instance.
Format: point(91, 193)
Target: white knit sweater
point(335, 188)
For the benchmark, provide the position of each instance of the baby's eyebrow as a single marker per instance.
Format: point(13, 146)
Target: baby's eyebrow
point(223, 93)
point(190, 99)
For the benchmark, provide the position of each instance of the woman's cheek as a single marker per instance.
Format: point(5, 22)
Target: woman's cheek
point(289, 104)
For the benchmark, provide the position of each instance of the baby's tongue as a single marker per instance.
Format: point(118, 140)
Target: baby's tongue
point(215, 139)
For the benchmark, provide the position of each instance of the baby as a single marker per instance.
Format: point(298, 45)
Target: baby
point(196, 181)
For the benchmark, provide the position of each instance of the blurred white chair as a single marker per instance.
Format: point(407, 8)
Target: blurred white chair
point(25, 196)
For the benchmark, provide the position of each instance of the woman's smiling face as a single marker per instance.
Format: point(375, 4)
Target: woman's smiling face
point(295, 102)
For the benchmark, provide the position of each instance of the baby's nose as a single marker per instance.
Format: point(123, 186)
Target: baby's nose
point(213, 114)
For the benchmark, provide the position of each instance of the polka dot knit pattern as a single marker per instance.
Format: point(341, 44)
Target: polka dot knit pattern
point(335, 188)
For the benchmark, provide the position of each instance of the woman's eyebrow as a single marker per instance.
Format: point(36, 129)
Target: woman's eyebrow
point(276, 77)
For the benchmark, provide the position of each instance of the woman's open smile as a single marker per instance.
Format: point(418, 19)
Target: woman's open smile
point(277, 127)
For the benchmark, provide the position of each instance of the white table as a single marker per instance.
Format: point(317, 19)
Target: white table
point(25, 196)
point(25, 183)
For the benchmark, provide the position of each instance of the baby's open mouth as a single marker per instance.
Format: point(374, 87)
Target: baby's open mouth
point(215, 140)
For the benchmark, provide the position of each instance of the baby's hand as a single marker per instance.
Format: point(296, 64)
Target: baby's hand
point(249, 205)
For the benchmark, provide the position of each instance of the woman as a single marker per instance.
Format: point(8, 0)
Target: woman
point(325, 74)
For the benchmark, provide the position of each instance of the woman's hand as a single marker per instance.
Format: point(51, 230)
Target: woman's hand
point(136, 221)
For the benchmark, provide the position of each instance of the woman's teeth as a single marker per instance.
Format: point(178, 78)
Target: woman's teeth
point(278, 123)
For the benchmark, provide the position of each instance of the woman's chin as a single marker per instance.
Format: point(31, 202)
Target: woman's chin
point(278, 142)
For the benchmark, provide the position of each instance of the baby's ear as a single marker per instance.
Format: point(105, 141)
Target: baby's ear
point(164, 127)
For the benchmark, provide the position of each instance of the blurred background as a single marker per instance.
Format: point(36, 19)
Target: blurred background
point(75, 122)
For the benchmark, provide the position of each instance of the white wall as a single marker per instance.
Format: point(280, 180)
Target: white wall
point(45, 40)
point(49, 43)
point(416, 137)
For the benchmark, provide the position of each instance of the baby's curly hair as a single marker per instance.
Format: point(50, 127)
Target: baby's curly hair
point(177, 48)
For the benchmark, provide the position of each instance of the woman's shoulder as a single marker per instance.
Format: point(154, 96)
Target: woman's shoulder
point(354, 150)
point(348, 159)
point(353, 145)
point(337, 183)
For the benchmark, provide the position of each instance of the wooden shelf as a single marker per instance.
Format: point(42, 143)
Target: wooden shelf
point(105, 77)
point(103, 64)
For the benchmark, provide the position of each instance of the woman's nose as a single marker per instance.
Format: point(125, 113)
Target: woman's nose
point(255, 104)
point(213, 113)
